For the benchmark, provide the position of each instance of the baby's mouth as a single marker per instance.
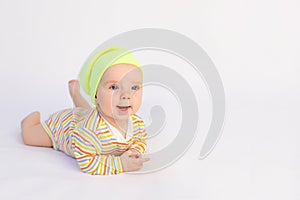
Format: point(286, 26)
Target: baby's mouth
point(123, 108)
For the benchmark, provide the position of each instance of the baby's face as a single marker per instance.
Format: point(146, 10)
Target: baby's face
point(119, 93)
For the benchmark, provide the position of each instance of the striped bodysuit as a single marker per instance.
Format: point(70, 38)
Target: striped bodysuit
point(87, 137)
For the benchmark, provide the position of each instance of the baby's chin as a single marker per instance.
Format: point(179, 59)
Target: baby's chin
point(123, 114)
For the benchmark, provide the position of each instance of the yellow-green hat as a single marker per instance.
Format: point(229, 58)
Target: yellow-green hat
point(95, 66)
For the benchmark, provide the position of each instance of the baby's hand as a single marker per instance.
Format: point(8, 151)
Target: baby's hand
point(134, 153)
point(132, 160)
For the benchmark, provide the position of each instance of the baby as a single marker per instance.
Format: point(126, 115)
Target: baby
point(109, 138)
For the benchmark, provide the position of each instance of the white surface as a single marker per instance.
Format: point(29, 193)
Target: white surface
point(255, 46)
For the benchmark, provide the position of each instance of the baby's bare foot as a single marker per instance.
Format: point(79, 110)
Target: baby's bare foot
point(78, 100)
point(74, 88)
point(31, 120)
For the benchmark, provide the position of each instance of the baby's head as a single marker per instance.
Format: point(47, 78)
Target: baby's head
point(113, 78)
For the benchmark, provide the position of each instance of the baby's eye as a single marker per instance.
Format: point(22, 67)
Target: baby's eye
point(114, 87)
point(135, 87)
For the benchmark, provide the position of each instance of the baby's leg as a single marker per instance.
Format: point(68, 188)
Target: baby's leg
point(78, 100)
point(33, 133)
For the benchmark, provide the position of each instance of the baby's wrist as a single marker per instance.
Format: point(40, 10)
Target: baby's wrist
point(136, 149)
point(121, 165)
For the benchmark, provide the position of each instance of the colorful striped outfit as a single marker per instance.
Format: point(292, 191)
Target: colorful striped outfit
point(86, 136)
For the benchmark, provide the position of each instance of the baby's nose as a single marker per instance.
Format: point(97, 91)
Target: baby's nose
point(125, 95)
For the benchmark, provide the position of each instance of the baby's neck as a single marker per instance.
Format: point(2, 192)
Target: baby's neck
point(120, 125)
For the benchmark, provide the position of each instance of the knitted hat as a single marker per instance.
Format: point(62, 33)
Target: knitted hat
point(95, 66)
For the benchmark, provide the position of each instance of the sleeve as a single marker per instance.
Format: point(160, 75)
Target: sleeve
point(88, 155)
point(139, 139)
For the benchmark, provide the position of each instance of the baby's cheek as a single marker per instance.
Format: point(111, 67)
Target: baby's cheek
point(135, 107)
point(137, 101)
point(106, 106)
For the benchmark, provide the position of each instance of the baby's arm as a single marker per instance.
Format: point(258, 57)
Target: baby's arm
point(88, 155)
point(91, 161)
point(139, 144)
point(139, 138)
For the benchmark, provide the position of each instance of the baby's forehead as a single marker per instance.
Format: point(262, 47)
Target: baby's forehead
point(122, 73)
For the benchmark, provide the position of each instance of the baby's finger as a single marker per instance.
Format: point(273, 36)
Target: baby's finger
point(135, 156)
point(146, 159)
point(129, 153)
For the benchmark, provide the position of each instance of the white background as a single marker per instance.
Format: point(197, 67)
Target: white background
point(255, 46)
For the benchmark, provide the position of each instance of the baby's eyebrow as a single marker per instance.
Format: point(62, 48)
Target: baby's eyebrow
point(136, 82)
point(110, 81)
point(114, 81)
